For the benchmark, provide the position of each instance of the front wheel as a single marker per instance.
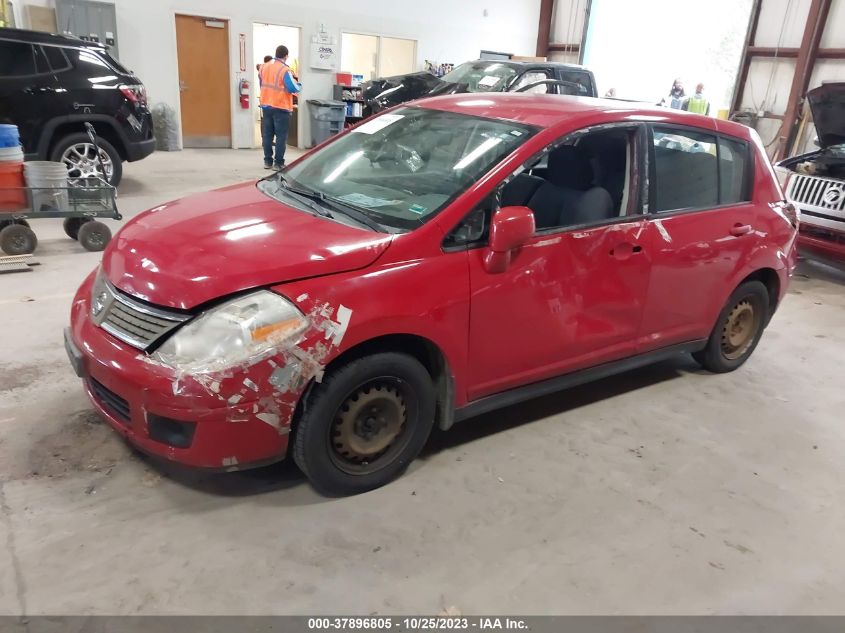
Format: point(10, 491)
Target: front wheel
point(17, 239)
point(94, 236)
point(365, 423)
point(738, 329)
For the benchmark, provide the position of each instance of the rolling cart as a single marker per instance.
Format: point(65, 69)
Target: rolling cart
point(80, 203)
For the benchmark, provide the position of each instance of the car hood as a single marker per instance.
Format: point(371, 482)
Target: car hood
point(188, 252)
point(828, 105)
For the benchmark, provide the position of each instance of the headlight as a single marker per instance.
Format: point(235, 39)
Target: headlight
point(239, 331)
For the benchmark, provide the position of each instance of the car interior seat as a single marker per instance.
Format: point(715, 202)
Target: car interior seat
point(568, 196)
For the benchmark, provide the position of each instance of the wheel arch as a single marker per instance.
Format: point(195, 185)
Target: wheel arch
point(769, 278)
point(56, 129)
point(419, 347)
point(426, 351)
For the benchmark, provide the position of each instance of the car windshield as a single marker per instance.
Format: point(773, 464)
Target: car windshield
point(482, 76)
point(401, 168)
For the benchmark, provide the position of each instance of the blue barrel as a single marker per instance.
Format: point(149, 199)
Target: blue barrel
point(9, 136)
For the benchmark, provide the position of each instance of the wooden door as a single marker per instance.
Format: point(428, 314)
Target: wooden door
point(202, 46)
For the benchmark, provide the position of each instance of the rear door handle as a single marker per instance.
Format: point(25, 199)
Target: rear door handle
point(740, 229)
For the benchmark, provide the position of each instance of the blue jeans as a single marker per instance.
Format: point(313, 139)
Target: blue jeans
point(275, 122)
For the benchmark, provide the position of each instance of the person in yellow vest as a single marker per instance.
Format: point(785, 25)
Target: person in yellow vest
point(278, 85)
point(697, 103)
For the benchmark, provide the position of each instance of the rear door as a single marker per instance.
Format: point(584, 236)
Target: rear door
point(702, 227)
point(27, 90)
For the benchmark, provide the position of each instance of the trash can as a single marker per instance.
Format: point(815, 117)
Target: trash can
point(327, 119)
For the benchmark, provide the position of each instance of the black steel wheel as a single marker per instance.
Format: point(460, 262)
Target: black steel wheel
point(364, 423)
point(738, 329)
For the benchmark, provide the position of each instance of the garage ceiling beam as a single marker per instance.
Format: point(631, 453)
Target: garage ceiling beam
point(822, 53)
point(544, 30)
point(804, 64)
point(745, 63)
point(565, 48)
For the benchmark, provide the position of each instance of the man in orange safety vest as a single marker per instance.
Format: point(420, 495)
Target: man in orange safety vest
point(278, 85)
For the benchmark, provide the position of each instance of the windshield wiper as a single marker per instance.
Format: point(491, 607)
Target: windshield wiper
point(354, 213)
point(336, 204)
point(306, 197)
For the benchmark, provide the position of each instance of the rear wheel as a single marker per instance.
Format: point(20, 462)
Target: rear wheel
point(365, 423)
point(17, 239)
point(738, 329)
point(94, 236)
point(72, 226)
point(78, 154)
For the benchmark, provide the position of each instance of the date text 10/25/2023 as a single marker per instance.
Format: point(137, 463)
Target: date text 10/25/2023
point(422, 623)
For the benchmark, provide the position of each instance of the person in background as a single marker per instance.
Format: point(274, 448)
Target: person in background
point(698, 103)
point(267, 58)
point(676, 96)
point(278, 86)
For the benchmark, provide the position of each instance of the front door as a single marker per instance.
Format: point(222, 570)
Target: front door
point(204, 82)
point(702, 228)
point(573, 296)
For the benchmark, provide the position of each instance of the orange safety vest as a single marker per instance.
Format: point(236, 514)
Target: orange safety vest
point(273, 91)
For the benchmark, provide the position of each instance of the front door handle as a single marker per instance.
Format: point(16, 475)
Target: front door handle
point(625, 250)
point(740, 229)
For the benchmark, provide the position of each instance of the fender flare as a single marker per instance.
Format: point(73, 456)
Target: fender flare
point(49, 129)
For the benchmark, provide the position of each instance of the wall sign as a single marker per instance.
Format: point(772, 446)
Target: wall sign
point(323, 56)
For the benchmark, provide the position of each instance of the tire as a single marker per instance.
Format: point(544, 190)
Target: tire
point(17, 239)
point(94, 236)
point(344, 442)
point(84, 163)
point(738, 329)
point(5, 223)
point(72, 226)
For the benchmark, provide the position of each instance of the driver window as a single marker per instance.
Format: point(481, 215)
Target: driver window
point(586, 181)
point(532, 77)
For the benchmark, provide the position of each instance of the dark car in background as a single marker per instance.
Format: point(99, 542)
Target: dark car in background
point(481, 76)
point(815, 181)
point(51, 85)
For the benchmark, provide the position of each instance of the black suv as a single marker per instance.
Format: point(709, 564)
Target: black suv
point(50, 85)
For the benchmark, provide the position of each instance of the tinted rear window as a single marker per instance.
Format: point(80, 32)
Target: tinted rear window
point(56, 57)
point(16, 59)
point(95, 60)
point(733, 170)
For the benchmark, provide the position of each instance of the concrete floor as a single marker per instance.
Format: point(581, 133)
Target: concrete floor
point(666, 490)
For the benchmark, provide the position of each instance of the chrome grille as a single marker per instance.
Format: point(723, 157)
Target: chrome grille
point(821, 200)
point(132, 322)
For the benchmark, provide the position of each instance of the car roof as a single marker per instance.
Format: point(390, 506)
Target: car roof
point(546, 111)
point(37, 37)
point(529, 64)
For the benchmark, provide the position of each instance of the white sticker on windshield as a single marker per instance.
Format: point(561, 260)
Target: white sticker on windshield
point(362, 200)
point(379, 123)
point(488, 81)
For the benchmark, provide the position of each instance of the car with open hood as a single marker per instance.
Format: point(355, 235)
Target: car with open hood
point(435, 262)
point(481, 76)
point(815, 182)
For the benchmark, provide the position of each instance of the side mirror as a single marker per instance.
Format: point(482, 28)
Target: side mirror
point(510, 228)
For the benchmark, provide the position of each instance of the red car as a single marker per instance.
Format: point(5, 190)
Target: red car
point(435, 262)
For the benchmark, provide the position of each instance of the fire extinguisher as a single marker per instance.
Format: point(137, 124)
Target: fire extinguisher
point(243, 90)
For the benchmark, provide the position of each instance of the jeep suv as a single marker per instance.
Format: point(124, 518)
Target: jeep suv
point(51, 85)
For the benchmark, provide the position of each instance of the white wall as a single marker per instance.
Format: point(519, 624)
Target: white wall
point(446, 31)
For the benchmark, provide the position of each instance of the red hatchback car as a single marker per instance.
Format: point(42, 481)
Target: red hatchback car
point(433, 263)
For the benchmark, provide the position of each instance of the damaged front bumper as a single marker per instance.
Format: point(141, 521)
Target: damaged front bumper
point(228, 420)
